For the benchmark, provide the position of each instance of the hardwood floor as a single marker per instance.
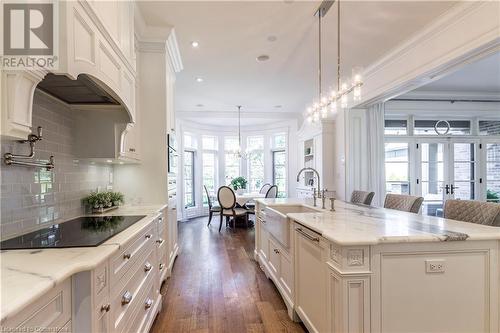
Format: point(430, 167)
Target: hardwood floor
point(216, 286)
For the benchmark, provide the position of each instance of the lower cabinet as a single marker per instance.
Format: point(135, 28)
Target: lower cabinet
point(310, 279)
point(52, 312)
point(122, 294)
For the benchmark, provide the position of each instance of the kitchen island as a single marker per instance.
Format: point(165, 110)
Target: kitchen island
point(97, 288)
point(364, 269)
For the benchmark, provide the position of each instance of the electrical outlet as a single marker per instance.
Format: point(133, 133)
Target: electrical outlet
point(435, 266)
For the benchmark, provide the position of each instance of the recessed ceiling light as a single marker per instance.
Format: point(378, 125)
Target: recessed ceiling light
point(263, 57)
point(278, 106)
point(195, 44)
point(199, 105)
point(199, 79)
point(272, 38)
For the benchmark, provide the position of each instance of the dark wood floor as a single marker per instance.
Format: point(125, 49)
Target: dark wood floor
point(216, 286)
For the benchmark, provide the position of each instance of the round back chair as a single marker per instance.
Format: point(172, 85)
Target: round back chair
point(264, 188)
point(226, 197)
point(272, 192)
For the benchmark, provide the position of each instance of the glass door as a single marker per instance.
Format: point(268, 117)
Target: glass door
point(448, 170)
point(433, 176)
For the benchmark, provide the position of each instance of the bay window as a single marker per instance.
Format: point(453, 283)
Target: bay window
point(255, 166)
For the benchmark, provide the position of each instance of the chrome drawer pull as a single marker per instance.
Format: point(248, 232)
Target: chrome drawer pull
point(148, 304)
point(306, 235)
point(160, 241)
point(127, 256)
point(161, 266)
point(105, 307)
point(147, 267)
point(126, 298)
point(160, 219)
point(148, 236)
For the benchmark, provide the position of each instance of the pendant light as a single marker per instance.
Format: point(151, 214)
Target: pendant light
point(343, 90)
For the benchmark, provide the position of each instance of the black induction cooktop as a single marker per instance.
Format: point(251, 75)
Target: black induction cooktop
point(84, 231)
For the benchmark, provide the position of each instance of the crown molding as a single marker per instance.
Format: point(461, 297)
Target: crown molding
point(465, 33)
point(234, 115)
point(174, 53)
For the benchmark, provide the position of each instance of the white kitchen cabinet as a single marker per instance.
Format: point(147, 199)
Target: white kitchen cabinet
point(310, 279)
point(274, 258)
point(172, 235)
point(93, 40)
point(51, 311)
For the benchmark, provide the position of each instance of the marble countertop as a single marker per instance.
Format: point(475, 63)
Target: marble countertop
point(358, 225)
point(28, 274)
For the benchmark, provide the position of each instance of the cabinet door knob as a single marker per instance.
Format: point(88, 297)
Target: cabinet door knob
point(161, 266)
point(131, 149)
point(126, 298)
point(148, 236)
point(148, 304)
point(159, 241)
point(105, 307)
point(147, 267)
point(127, 256)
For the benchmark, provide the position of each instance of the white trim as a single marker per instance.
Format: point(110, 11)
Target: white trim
point(464, 34)
point(452, 95)
point(174, 53)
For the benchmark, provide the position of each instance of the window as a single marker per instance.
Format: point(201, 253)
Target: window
point(457, 127)
point(189, 141)
point(493, 172)
point(209, 142)
point(231, 160)
point(397, 168)
point(279, 171)
point(396, 127)
point(255, 150)
point(231, 144)
point(209, 160)
point(464, 171)
point(209, 166)
point(279, 141)
point(489, 127)
point(189, 192)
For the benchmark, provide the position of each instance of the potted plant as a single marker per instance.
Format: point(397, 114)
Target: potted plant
point(239, 184)
point(102, 201)
point(117, 198)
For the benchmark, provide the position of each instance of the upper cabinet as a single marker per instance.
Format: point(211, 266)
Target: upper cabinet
point(96, 38)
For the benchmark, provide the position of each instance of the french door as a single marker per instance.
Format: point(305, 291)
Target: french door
point(446, 169)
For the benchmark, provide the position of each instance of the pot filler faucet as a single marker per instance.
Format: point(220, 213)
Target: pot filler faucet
point(316, 192)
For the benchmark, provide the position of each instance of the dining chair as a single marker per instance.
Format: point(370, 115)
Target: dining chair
point(212, 207)
point(487, 213)
point(264, 188)
point(272, 192)
point(227, 202)
point(362, 197)
point(405, 203)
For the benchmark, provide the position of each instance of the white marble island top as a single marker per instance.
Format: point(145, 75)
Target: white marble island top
point(357, 225)
point(28, 274)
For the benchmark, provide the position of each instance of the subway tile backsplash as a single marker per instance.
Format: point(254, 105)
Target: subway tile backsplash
point(31, 198)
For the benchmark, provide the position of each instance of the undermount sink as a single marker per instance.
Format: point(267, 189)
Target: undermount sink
point(278, 224)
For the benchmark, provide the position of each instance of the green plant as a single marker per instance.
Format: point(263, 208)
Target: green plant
point(103, 199)
point(492, 196)
point(117, 198)
point(239, 183)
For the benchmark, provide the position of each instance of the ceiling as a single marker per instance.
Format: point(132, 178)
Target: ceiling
point(232, 34)
point(482, 76)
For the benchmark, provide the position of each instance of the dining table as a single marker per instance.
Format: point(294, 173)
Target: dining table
point(244, 198)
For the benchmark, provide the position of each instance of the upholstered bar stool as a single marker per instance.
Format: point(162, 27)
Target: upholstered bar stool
point(405, 203)
point(487, 213)
point(362, 197)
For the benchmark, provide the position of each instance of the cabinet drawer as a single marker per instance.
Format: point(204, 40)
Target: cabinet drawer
point(264, 241)
point(51, 312)
point(126, 258)
point(145, 311)
point(125, 298)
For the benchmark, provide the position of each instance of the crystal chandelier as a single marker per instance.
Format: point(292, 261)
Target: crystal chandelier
point(319, 109)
